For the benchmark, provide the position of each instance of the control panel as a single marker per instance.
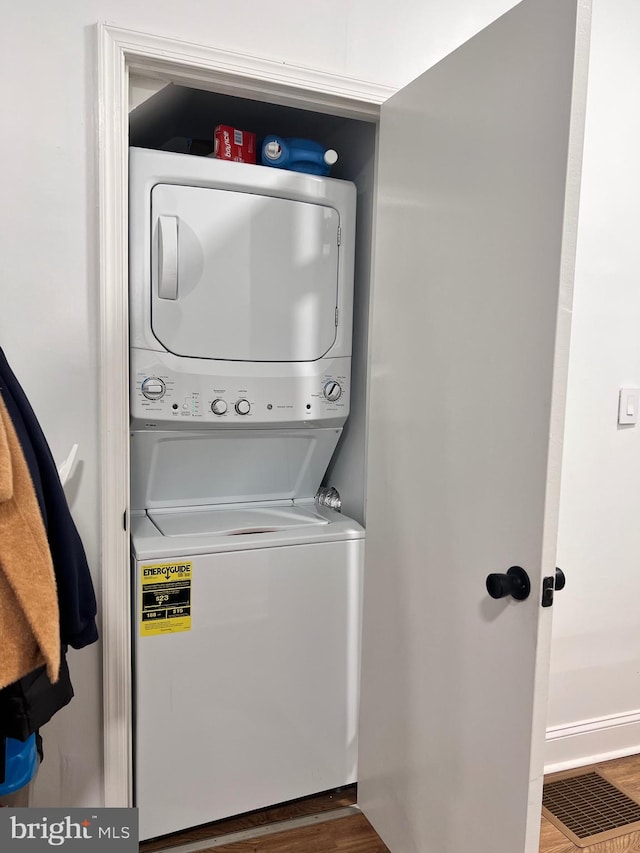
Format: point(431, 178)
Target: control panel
point(162, 398)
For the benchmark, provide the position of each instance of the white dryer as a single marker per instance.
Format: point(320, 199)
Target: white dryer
point(247, 593)
point(241, 291)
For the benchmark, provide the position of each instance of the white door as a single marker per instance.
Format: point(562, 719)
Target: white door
point(475, 236)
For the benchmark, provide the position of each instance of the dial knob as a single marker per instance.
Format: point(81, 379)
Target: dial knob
point(332, 390)
point(243, 407)
point(153, 388)
point(219, 407)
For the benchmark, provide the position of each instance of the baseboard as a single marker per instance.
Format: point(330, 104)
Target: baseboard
point(590, 741)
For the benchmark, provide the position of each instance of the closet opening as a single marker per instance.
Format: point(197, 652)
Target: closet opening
point(180, 469)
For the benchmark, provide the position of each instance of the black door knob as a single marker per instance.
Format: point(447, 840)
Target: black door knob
point(514, 583)
point(560, 580)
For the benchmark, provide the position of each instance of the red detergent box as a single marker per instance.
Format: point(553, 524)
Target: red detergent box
point(233, 144)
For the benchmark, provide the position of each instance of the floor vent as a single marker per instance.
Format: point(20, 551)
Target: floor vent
point(589, 809)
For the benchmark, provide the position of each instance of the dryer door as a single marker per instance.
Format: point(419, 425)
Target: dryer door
point(242, 277)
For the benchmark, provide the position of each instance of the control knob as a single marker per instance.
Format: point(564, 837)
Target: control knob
point(332, 391)
point(153, 388)
point(219, 407)
point(243, 407)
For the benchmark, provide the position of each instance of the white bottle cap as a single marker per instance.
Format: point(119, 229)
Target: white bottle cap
point(330, 157)
point(272, 150)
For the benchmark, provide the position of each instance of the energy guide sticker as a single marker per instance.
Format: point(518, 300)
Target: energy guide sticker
point(165, 597)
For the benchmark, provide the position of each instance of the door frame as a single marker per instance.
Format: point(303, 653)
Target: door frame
point(120, 52)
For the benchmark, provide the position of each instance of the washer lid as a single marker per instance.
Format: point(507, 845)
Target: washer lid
point(226, 521)
point(242, 277)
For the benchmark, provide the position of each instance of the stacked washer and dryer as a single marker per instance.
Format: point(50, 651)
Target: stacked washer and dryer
point(247, 593)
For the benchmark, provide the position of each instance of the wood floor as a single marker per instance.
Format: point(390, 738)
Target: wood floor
point(288, 811)
point(354, 834)
point(345, 835)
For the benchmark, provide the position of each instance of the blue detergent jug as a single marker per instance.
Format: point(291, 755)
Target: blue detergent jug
point(19, 765)
point(298, 155)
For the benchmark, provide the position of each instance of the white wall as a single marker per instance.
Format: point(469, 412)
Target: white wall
point(49, 321)
point(596, 641)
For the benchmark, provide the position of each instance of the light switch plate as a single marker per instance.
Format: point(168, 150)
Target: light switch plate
point(628, 405)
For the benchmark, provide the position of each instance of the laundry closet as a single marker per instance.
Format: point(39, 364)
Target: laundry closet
point(466, 209)
point(247, 584)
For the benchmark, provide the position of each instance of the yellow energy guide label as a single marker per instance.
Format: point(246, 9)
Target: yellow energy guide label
point(165, 597)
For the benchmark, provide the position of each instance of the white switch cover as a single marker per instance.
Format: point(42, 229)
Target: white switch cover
point(628, 405)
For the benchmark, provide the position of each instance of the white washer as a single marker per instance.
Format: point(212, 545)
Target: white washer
point(257, 702)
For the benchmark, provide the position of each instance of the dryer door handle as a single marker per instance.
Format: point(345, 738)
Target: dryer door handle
point(168, 257)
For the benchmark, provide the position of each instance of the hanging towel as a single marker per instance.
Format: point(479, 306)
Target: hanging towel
point(29, 616)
